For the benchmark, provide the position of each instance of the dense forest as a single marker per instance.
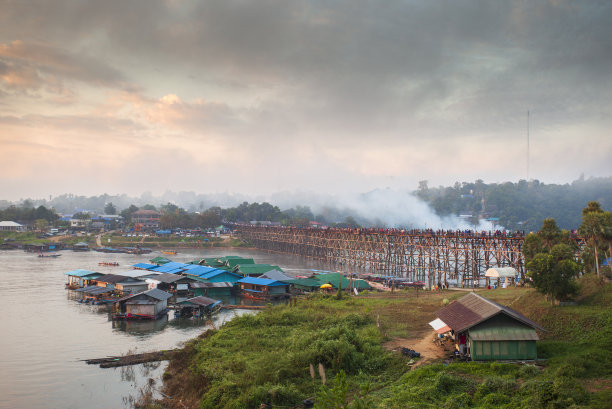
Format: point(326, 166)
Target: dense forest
point(519, 206)
point(514, 206)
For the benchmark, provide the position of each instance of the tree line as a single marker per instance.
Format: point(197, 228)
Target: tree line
point(518, 206)
point(551, 253)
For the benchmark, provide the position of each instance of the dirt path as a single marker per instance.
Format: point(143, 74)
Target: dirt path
point(429, 346)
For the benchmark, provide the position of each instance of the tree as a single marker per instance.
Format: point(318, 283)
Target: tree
point(127, 213)
point(81, 216)
point(109, 208)
point(41, 224)
point(554, 273)
point(550, 233)
point(592, 228)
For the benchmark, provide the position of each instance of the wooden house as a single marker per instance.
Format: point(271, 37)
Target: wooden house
point(263, 288)
point(122, 284)
point(81, 278)
point(486, 330)
point(197, 307)
point(171, 283)
point(151, 304)
point(221, 289)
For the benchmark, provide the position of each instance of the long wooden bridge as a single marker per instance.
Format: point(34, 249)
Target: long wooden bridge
point(419, 255)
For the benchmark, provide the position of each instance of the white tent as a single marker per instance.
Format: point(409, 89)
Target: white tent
point(507, 273)
point(500, 272)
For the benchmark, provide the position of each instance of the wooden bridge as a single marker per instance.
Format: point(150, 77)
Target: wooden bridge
point(418, 255)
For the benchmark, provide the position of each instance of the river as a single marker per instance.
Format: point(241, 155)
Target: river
point(45, 333)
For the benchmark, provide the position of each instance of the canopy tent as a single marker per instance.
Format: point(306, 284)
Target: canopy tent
point(501, 272)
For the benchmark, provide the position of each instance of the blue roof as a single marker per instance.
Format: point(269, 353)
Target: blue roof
point(260, 281)
point(207, 272)
point(163, 232)
point(81, 273)
point(217, 272)
point(172, 267)
point(146, 266)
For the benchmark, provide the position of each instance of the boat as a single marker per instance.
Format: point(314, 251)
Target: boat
point(49, 255)
point(170, 252)
point(108, 263)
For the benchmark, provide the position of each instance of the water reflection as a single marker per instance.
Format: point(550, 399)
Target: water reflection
point(44, 338)
point(147, 327)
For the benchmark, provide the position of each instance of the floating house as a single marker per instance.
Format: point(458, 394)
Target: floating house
point(160, 260)
point(213, 275)
point(170, 283)
point(233, 261)
point(276, 275)
point(97, 295)
point(262, 288)
point(148, 305)
point(122, 284)
point(81, 278)
point(197, 307)
point(80, 246)
point(222, 289)
point(486, 330)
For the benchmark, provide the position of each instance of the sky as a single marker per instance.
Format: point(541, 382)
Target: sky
point(258, 97)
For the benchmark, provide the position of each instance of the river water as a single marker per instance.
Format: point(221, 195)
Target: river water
point(45, 333)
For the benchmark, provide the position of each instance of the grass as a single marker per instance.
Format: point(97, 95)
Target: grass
point(265, 358)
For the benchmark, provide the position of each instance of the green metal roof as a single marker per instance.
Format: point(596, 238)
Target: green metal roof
point(336, 279)
point(234, 261)
point(257, 269)
point(160, 260)
point(306, 282)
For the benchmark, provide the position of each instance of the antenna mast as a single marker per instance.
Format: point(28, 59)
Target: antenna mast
point(527, 146)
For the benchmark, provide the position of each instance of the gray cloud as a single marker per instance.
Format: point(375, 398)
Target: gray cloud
point(431, 82)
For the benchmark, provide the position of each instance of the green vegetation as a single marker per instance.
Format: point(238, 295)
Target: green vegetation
point(519, 206)
point(550, 258)
point(266, 358)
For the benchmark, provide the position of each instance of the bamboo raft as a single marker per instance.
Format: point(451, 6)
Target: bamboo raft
point(125, 360)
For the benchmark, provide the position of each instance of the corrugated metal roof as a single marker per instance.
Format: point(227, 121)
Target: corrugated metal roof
point(276, 275)
point(260, 281)
point(221, 284)
point(306, 282)
point(139, 273)
point(257, 269)
point(202, 301)
point(200, 270)
point(145, 266)
point(472, 309)
point(167, 278)
point(171, 266)
point(112, 278)
point(154, 293)
point(81, 273)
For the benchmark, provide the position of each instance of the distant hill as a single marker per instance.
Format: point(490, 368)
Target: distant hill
point(519, 206)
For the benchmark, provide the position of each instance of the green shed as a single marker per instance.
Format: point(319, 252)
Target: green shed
point(486, 330)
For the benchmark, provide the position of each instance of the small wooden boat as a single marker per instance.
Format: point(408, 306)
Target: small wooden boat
point(170, 252)
point(49, 255)
point(108, 263)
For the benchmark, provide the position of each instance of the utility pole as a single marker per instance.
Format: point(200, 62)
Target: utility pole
point(528, 146)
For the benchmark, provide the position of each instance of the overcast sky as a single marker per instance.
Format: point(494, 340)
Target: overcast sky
point(263, 96)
